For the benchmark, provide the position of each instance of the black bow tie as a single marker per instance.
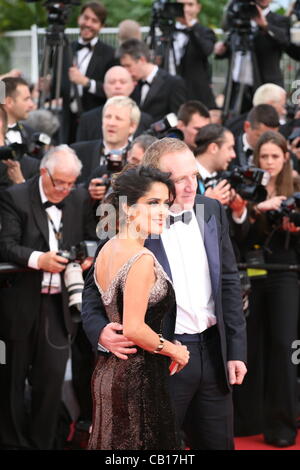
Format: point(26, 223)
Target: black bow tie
point(249, 152)
point(185, 217)
point(144, 82)
point(210, 181)
point(79, 46)
point(59, 205)
point(16, 128)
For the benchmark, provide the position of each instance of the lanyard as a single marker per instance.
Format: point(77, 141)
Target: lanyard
point(58, 233)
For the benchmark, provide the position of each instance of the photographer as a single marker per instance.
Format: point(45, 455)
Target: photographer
point(39, 218)
point(121, 117)
point(267, 401)
point(266, 35)
point(193, 44)
point(17, 106)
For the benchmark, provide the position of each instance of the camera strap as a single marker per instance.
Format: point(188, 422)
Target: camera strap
point(58, 233)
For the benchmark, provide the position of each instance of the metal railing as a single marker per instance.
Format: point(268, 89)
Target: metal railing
point(28, 45)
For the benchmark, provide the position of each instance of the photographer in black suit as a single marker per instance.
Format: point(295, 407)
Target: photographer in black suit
point(157, 92)
point(271, 35)
point(17, 105)
point(85, 74)
point(39, 218)
point(193, 44)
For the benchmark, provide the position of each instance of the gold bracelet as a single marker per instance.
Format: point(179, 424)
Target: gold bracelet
point(161, 344)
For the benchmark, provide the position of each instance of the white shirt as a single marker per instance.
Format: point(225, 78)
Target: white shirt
point(12, 136)
point(55, 215)
point(83, 57)
point(187, 258)
point(146, 87)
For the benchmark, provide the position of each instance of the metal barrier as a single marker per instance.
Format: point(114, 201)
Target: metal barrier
point(27, 52)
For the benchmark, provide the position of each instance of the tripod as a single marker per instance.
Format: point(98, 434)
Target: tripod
point(240, 41)
point(165, 50)
point(52, 65)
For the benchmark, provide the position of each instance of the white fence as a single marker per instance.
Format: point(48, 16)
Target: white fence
point(27, 50)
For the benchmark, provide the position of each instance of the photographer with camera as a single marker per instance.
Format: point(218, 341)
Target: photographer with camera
point(267, 401)
point(257, 38)
point(214, 152)
point(39, 219)
point(260, 119)
point(101, 158)
point(15, 165)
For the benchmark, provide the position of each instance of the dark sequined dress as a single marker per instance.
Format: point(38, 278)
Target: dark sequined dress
point(132, 408)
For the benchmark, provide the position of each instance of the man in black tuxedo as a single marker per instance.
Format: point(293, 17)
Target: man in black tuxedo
point(17, 105)
point(196, 253)
point(38, 218)
point(157, 92)
point(117, 82)
point(120, 119)
point(193, 44)
point(260, 119)
point(271, 36)
point(83, 73)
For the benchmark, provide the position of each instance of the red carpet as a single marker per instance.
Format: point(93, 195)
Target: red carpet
point(257, 443)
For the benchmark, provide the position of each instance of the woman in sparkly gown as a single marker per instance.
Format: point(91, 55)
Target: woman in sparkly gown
point(132, 407)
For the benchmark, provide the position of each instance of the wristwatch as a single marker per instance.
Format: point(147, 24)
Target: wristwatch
point(88, 85)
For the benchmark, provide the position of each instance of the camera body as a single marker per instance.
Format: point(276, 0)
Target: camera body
point(248, 182)
point(289, 208)
point(166, 127)
point(164, 11)
point(80, 252)
point(35, 148)
point(240, 13)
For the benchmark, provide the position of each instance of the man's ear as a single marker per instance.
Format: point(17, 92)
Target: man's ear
point(247, 126)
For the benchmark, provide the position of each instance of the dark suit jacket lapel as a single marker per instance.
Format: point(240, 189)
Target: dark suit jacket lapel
point(208, 228)
point(157, 248)
point(155, 86)
point(94, 59)
point(38, 211)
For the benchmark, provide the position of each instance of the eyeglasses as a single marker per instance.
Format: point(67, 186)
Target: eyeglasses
point(61, 185)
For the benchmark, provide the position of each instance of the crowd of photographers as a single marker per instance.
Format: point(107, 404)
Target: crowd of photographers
point(56, 168)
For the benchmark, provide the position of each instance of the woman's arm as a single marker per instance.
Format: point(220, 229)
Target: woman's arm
point(140, 279)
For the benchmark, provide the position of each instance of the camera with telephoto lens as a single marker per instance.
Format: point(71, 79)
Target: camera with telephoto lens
point(240, 13)
point(166, 127)
point(248, 182)
point(289, 208)
point(73, 274)
point(35, 148)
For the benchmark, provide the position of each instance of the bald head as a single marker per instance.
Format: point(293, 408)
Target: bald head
point(118, 82)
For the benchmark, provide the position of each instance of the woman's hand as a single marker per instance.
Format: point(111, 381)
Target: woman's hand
point(181, 356)
point(272, 204)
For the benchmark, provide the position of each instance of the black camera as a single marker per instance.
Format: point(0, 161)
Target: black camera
point(240, 13)
point(35, 147)
point(58, 11)
point(248, 182)
point(13, 151)
point(288, 208)
point(73, 274)
point(164, 11)
point(166, 127)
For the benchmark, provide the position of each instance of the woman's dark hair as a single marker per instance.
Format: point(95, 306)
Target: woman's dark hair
point(133, 182)
point(211, 133)
point(284, 181)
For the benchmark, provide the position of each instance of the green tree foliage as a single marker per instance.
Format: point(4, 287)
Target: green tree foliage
point(19, 14)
